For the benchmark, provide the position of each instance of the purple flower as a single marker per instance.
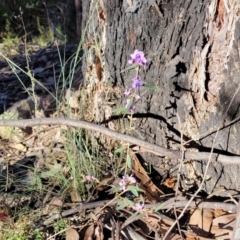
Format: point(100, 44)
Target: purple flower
point(132, 107)
point(132, 180)
point(137, 82)
point(122, 185)
point(137, 97)
point(125, 181)
point(127, 92)
point(138, 207)
point(90, 177)
point(139, 58)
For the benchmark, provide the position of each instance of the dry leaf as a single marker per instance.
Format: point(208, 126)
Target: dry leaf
point(223, 220)
point(72, 234)
point(170, 182)
point(152, 192)
point(219, 212)
point(99, 232)
point(19, 147)
point(223, 225)
point(200, 221)
point(189, 236)
point(166, 222)
point(219, 233)
point(152, 222)
point(55, 202)
point(133, 234)
point(175, 236)
point(89, 233)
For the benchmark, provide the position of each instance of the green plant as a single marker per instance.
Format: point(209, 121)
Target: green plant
point(128, 183)
point(38, 235)
point(82, 157)
point(61, 226)
point(46, 35)
point(9, 38)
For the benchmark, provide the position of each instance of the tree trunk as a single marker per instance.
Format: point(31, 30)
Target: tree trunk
point(193, 50)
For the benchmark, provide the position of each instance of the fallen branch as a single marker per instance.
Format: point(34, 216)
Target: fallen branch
point(169, 204)
point(145, 146)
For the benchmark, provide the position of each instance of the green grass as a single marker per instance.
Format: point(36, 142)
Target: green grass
point(83, 153)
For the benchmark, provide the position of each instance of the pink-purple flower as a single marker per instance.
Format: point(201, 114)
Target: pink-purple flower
point(90, 177)
point(125, 181)
point(132, 107)
point(138, 58)
point(127, 92)
point(137, 82)
point(137, 97)
point(138, 207)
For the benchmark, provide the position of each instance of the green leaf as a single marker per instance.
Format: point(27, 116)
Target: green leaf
point(129, 68)
point(119, 150)
point(136, 215)
point(129, 104)
point(129, 162)
point(129, 202)
point(159, 207)
point(151, 86)
point(124, 110)
point(119, 110)
point(122, 206)
point(135, 190)
point(115, 189)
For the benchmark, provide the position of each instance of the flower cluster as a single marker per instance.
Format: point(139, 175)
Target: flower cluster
point(125, 181)
point(138, 206)
point(89, 178)
point(136, 58)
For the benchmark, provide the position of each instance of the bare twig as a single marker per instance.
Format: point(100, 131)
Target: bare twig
point(168, 205)
point(160, 151)
point(179, 173)
point(158, 10)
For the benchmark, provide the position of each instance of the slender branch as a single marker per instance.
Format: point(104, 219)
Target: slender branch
point(160, 151)
point(169, 204)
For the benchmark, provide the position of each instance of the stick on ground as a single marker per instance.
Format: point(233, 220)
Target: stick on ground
point(145, 146)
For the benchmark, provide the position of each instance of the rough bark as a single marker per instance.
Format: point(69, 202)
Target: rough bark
point(194, 60)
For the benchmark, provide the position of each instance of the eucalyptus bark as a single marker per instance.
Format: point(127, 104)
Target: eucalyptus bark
point(194, 61)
